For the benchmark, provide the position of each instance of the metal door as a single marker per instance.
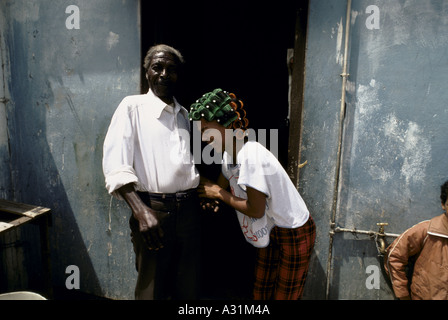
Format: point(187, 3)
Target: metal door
point(372, 134)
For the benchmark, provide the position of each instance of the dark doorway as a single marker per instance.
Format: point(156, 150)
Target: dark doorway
point(240, 47)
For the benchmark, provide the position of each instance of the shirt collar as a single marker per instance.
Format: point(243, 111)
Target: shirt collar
point(157, 105)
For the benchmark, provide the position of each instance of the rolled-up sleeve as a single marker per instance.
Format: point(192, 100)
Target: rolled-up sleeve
point(118, 150)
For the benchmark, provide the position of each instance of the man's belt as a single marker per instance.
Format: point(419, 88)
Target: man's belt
point(177, 196)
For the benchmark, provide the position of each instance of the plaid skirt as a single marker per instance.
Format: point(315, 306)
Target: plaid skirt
point(282, 266)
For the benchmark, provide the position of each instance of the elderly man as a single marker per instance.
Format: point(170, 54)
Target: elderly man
point(147, 162)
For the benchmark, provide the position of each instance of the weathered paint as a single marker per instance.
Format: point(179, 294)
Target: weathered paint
point(5, 176)
point(320, 129)
point(65, 84)
point(395, 155)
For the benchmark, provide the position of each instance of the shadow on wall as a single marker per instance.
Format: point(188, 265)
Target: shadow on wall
point(64, 86)
point(36, 177)
point(357, 272)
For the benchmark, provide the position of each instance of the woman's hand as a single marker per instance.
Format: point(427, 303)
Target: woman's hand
point(208, 189)
point(254, 206)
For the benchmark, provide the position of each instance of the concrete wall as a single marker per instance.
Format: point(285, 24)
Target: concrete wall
point(64, 84)
point(394, 150)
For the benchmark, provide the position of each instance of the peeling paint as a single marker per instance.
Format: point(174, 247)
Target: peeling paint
point(404, 138)
point(112, 40)
point(339, 54)
point(109, 251)
point(414, 148)
point(354, 15)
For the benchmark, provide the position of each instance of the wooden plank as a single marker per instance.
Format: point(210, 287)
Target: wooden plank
point(24, 212)
point(22, 209)
point(13, 224)
point(5, 226)
point(14, 215)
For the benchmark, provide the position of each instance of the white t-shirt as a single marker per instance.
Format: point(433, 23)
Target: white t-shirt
point(259, 169)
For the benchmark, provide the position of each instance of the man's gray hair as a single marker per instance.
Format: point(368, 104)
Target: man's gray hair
point(161, 48)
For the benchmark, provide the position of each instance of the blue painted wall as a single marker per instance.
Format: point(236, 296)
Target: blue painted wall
point(395, 153)
point(64, 85)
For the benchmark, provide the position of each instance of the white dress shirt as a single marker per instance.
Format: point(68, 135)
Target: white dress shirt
point(148, 144)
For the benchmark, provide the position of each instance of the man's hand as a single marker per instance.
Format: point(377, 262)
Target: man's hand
point(209, 205)
point(149, 223)
point(149, 220)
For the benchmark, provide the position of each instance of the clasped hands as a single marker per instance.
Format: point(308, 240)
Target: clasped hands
point(209, 193)
point(149, 220)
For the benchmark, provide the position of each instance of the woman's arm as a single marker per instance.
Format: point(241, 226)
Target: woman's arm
point(253, 207)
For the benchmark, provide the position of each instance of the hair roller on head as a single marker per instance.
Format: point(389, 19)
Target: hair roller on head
point(221, 106)
point(242, 113)
point(237, 124)
point(243, 122)
point(238, 115)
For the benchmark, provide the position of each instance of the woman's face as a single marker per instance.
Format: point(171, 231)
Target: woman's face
point(213, 134)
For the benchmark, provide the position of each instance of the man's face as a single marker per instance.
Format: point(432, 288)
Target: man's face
point(445, 207)
point(162, 75)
